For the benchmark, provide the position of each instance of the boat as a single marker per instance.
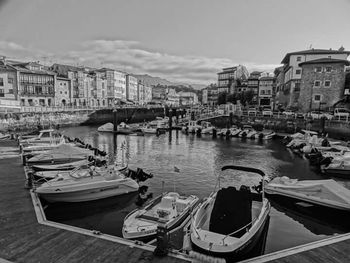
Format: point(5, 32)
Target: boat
point(48, 136)
point(247, 129)
point(108, 127)
point(61, 166)
point(61, 154)
point(206, 127)
point(86, 185)
point(234, 131)
point(149, 129)
point(169, 209)
point(340, 168)
point(265, 135)
point(161, 123)
point(4, 136)
point(230, 222)
point(191, 127)
point(326, 193)
point(33, 147)
point(123, 128)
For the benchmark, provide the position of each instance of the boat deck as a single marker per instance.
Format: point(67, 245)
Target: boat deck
point(23, 239)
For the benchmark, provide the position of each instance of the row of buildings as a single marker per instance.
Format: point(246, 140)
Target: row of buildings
point(307, 80)
point(32, 84)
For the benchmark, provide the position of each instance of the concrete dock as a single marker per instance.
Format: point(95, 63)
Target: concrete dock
point(27, 237)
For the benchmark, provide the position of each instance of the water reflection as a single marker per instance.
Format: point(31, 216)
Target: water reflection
point(200, 161)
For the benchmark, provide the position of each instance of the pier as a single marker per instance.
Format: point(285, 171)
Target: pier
point(26, 235)
point(24, 239)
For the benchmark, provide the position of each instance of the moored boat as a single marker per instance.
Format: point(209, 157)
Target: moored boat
point(108, 127)
point(327, 193)
point(86, 185)
point(230, 222)
point(169, 209)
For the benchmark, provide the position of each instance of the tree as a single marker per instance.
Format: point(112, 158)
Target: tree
point(231, 98)
point(222, 98)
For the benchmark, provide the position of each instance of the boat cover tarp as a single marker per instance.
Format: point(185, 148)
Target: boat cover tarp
point(232, 210)
point(62, 152)
point(322, 189)
point(106, 127)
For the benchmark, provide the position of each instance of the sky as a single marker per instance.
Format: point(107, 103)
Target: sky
point(180, 40)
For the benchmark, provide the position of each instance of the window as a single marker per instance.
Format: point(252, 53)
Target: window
point(318, 69)
point(10, 91)
point(317, 83)
point(2, 93)
point(298, 58)
point(297, 87)
point(317, 97)
point(10, 80)
point(327, 83)
point(1, 82)
point(298, 72)
point(328, 69)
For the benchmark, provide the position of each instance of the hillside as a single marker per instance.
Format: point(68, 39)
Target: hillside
point(154, 81)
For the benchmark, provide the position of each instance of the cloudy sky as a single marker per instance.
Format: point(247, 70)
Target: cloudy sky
point(180, 40)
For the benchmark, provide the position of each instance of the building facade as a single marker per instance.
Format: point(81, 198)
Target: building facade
point(8, 81)
point(158, 94)
point(293, 71)
point(147, 93)
point(228, 77)
point(131, 88)
point(266, 88)
point(36, 85)
point(63, 92)
point(322, 83)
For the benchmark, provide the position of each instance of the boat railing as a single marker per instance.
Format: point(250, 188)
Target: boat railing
point(240, 229)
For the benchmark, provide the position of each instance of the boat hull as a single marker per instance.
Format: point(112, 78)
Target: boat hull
point(89, 194)
point(246, 250)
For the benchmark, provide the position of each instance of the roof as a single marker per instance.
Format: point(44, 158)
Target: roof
point(267, 78)
point(325, 61)
point(22, 68)
point(313, 51)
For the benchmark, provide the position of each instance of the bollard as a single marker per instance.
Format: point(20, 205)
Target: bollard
point(162, 241)
point(214, 133)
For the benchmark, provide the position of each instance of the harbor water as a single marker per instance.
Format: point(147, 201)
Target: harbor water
point(192, 165)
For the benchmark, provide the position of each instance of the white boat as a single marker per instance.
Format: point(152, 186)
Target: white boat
point(265, 135)
point(234, 131)
point(169, 209)
point(4, 136)
point(160, 123)
point(191, 127)
point(108, 127)
point(150, 128)
point(49, 136)
point(206, 127)
point(337, 167)
point(229, 223)
point(86, 185)
point(251, 134)
point(33, 147)
point(245, 131)
point(62, 166)
point(326, 193)
point(64, 153)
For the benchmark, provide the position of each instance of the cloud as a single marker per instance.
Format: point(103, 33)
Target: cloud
point(132, 57)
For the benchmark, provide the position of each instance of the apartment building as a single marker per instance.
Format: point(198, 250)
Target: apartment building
point(266, 88)
point(228, 77)
point(131, 88)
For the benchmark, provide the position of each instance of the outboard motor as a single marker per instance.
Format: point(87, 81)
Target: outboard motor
point(261, 136)
point(244, 134)
point(325, 143)
point(326, 161)
point(228, 132)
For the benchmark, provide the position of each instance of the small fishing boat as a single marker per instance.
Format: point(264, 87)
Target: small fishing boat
point(247, 129)
point(234, 131)
point(86, 185)
point(33, 147)
point(326, 193)
point(229, 222)
point(149, 129)
point(206, 127)
point(169, 209)
point(191, 127)
point(108, 127)
point(123, 128)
